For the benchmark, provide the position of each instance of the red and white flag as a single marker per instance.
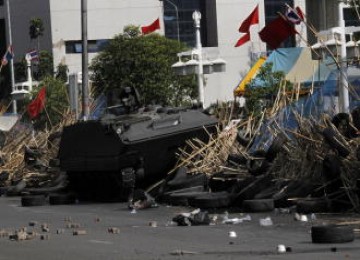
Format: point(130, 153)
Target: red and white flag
point(277, 31)
point(151, 28)
point(295, 16)
point(253, 18)
point(9, 55)
point(244, 39)
point(38, 104)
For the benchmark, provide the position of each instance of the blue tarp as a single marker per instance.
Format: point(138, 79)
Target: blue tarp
point(323, 100)
point(298, 66)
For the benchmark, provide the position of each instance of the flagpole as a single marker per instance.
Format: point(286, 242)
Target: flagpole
point(85, 62)
point(12, 60)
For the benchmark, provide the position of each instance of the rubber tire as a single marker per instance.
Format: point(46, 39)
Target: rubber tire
point(257, 166)
point(4, 176)
point(54, 162)
point(52, 137)
point(238, 159)
point(355, 114)
point(256, 185)
point(211, 200)
point(342, 122)
point(2, 139)
point(312, 205)
point(186, 181)
point(182, 198)
point(221, 181)
point(62, 199)
point(358, 153)
point(33, 200)
point(332, 234)
point(261, 205)
point(274, 187)
point(16, 189)
point(241, 139)
point(330, 137)
point(165, 196)
point(275, 147)
point(295, 188)
point(331, 167)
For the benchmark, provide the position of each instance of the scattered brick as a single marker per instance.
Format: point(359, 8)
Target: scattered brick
point(153, 224)
point(4, 233)
point(31, 235)
point(73, 225)
point(79, 232)
point(114, 230)
point(33, 223)
point(60, 231)
point(45, 227)
point(18, 236)
point(44, 236)
point(23, 229)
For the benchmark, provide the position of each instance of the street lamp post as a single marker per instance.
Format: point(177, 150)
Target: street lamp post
point(12, 60)
point(200, 74)
point(177, 17)
point(197, 62)
point(344, 91)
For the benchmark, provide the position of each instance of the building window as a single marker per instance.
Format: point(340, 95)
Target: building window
point(272, 7)
point(351, 17)
point(1, 2)
point(183, 28)
point(93, 46)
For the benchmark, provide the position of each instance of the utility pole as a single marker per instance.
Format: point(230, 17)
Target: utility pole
point(85, 62)
point(12, 60)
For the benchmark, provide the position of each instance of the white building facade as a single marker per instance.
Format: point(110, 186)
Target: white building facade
point(106, 18)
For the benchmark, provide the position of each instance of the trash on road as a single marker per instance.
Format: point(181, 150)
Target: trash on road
point(194, 218)
point(265, 222)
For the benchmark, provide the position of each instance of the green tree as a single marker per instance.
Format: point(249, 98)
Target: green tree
point(62, 72)
point(36, 30)
point(56, 104)
point(262, 90)
point(45, 66)
point(143, 62)
point(40, 69)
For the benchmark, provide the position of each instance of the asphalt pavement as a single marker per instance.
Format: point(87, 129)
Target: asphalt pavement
point(112, 231)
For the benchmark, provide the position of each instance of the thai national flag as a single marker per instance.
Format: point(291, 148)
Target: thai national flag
point(295, 16)
point(9, 55)
point(32, 55)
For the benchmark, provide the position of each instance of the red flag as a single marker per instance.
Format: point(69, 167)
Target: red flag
point(151, 28)
point(277, 31)
point(300, 13)
point(253, 18)
point(243, 40)
point(37, 105)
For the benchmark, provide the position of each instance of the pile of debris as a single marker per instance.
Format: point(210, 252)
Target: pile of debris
point(28, 159)
point(263, 165)
point(256, 164)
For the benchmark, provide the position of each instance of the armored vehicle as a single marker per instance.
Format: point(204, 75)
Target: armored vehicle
point(127, 147)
